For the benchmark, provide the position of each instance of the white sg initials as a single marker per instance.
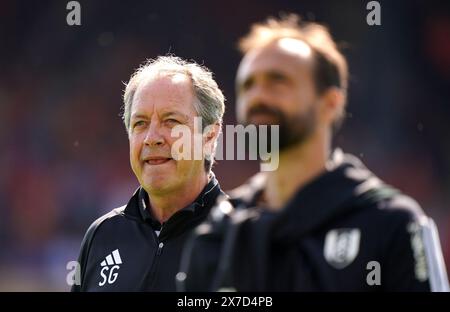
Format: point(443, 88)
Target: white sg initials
point(111, 277)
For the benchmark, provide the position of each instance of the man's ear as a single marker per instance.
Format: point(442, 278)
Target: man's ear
point(333, 101)
point(210, 135)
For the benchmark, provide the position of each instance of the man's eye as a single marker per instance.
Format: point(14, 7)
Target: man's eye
point(172, 121)
point(139, 123)
point(248, 83)
point(278, 78)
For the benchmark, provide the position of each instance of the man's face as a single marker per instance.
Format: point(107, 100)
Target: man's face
point(275, 86)
point(161, 103)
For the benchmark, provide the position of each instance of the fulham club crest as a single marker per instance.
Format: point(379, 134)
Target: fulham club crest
point(341, 246)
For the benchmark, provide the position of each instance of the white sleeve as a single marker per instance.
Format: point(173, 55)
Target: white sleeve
point(433, 252)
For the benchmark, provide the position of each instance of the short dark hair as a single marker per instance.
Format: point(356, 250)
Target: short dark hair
point(331, 69)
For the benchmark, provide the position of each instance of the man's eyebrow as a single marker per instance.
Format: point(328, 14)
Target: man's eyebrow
point(138, 115)
point(163, 115)
point(240, 82)
point(174, 114)
point(276, 74)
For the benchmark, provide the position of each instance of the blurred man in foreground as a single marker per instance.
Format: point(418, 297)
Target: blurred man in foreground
point(137, 247)
point(322, 221)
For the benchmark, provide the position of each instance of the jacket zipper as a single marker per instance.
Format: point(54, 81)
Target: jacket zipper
point(160, 247)
point(150, 279)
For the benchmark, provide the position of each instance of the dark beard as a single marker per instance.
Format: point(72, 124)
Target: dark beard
point(293, 130)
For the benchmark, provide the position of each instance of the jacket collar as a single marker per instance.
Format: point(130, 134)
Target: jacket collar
point(335, 192)
point(341, 188)
point(138, 207)
point(202, 199)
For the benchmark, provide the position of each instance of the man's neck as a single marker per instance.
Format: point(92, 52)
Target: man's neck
point(164, 206)
point(298, 166)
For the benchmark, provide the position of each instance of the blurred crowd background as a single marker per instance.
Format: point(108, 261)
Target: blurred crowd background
point(64, 151)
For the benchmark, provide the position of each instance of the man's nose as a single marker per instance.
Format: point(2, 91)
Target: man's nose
point(154, 136)
point(257, 94)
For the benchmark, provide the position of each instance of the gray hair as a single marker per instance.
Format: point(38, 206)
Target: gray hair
point(210, 100)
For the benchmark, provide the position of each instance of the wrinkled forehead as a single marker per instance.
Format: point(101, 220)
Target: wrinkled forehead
point(165, 84)
point(286, 54)
point(164, 78)
point(170, 90)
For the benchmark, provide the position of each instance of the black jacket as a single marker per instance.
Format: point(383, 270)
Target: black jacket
point(344, 231)
point(122, 252)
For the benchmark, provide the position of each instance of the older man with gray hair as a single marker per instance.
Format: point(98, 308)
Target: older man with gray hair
point(137, 247)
